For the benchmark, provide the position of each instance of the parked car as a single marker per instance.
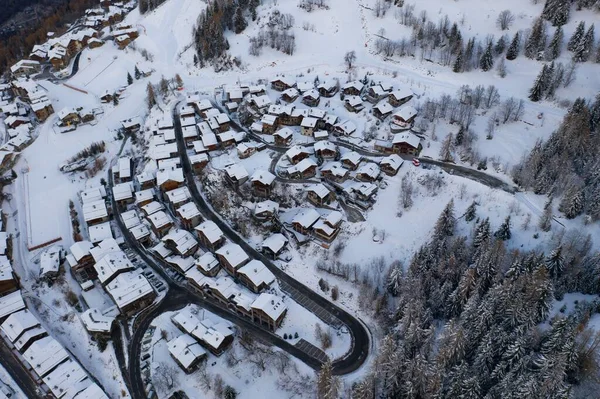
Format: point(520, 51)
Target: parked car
point(416, 162)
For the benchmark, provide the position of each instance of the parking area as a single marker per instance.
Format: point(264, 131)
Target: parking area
point(309, 304)
point(311, 350)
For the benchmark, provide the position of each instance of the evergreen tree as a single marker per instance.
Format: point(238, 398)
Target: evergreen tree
point(583, 51)
point(572, 202)
point(458, 62)
point(595, 115)
point(538, 89)
point(545, 223)
point(137, 73)
point(513, 50)
point(129, 79)
point(557, 11)
point(537, 39)
point(482, 234)
point(555, 262)
point(576, 37)
point(327, 384)
point(446, 223)
point(163, 87)
point(471, 212)
point(229, 392)
point(503, 233)
point(459, 136)
point(500, 45)
point(115, 99)
point(487, 59)
point(239, 21)
point(554, 49)
point(468, 55)
point(150, 96)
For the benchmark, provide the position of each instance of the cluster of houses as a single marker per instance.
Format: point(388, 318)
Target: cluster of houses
point(49, 362)
point(70, 118)
point(22, 102)
point(176, 232)
point(198, 336)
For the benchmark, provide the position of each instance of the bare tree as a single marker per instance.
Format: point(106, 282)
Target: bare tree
point(446, 150)
point(490, 127)
point(509, 106)
point(165, 376)
point(218, 384)
point(505, 19)
point(204, 377)
point(349, 59)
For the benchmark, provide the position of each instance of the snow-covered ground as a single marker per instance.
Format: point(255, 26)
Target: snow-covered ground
point(40, 195)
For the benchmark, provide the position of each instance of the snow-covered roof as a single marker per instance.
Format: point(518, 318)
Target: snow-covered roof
point(302, 166)
point(284, 133)
point(45, 354)
point(270, 304)
point(312, 94)
point(401, 93)
point(384, 107)
point(165, 175)
point(186, 350)
point(370, 169)
point(317, 113)
point(128, 287)
point(145, 177)
point(295, 151)
point(94, 321)
point(309, 122)
point(188, 211)
point(306, 85)
point(198, 158)
point(209, 139)
point(393, 161)
point(104, 247)
point(183, 263)
point(140, 231)
point(131, 123)
point(355, 84)
point(320, 225)
point(236, 171)
point(124, 167)
point(256, 272)
point(306, 217)
point(50, 260)
point(268, 120)
point(25, 64)
point(67, 379)
point(178, 195)
point(207, 262)
point(233, 254)
point(291, 92)
point(100, 232)
point(210, 230)
point(363, 188)
point(347, 127)
point(17, 323)
point(266, 206)
point(405, 113)
point(92, 392)
point(263, 176)
point(285, 80)
point(6, 271)
point(111, 265)
point(159, 219)
point(324, 146)
point(203, 105)
point(169, 163)
point(333, 218)
point(275, 242)
point(152, 207)
point(335, 168)
point(93, 194)
point(408, 138)
point(161, 250)
point(11, 303)
point(130, 218)
point(93, 210)
point(353, 101)
point(81, 249)
point(184, 240)
point(261, 101)
point(352, 157)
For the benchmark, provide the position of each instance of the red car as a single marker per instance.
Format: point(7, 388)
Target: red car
point(416, 162)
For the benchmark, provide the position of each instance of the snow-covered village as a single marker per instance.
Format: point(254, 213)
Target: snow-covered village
point(299, 199)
